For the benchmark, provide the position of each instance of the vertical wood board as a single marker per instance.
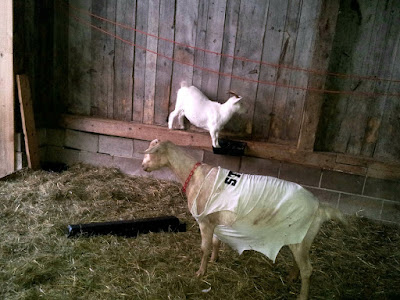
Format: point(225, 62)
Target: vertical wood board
point(185, 32)
point(320, 61)
point(201, 33)
point(151, 61)
point(164, 65)
point(102, 49)
point(228, 47)
point(142, 12)
point(79, 60)
point(272, 49)
point(277, 133)
point(7, 155)
point(124, 60)
point(28, 122)
point(306, 36)
point(213, 42)
point(249, 43)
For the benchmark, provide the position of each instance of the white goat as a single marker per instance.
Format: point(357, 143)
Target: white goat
point(201, 112)
point(199, 182)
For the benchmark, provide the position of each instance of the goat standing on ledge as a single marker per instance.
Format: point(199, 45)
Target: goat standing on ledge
point(248, 212)
point(203, 113)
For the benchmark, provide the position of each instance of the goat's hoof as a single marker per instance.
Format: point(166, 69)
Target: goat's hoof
point(214, 259)
point(200, 273)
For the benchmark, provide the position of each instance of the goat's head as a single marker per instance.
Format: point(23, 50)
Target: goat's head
point(155, 157)
point(236, 103)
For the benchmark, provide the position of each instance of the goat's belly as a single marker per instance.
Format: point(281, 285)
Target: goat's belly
point(270, 212)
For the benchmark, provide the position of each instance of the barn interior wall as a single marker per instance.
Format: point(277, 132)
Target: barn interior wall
point(367, 42)
point(83, 71)
point(108, 77)
point(75, 68)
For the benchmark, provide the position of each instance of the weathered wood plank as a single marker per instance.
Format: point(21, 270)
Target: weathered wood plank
point(373, 41)
point(249, 43)
point(352, 109)
point(7, 155)
point(388, 145)
point(272, 49)
point(185, 32)
point(341, 61)
point(320, 61)
point(213, 42)
point(79, 60)
point(135, 130)
point(277, 133)
point(164, 65)
point(124, 60)
point(228, 47)
point(60, 58)
point(200, 42)
point(28, 122)
point(330, 161)
point(139, 80)
point(151, 61)
point(306, 36)
point(102, 49)
point(385, 48)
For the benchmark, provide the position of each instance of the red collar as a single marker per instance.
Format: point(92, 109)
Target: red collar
point(190, 176)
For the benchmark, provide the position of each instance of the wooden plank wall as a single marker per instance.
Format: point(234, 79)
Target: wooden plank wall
point(367, 43)
point(111, 78)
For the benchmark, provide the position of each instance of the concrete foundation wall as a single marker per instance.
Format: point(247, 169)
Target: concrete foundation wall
point(377, 199)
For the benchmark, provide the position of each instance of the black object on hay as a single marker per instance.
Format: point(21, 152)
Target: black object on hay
point(129, 228)
point(229, 147)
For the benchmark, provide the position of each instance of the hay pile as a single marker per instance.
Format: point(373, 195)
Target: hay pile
point(37, 260)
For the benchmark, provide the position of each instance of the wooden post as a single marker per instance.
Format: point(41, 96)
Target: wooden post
point(320, 61)
point(28, 122)
point(7, 154)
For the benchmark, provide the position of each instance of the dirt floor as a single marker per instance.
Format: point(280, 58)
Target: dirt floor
point(37, 259)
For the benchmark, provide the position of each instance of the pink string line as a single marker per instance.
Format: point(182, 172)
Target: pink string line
point(311, 89)
point(278, 66)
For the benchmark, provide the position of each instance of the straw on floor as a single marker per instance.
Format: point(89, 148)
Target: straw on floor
point(37, 260)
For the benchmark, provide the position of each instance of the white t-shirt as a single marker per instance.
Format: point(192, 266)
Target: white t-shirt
point(270, 212)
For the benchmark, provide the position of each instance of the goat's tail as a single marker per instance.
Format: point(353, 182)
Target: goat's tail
point(331, 213)
point(184, 84)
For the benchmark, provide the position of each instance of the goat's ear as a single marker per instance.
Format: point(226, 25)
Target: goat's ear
point(237, 97)
point(153, 147)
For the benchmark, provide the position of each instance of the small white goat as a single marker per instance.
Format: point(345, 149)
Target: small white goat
point(203, 113)
point(295, 221)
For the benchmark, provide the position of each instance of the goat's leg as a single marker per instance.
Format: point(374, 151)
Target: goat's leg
point(206, 230)
point(302, 258)
point(181, 119)
point(216, 243)
point(176, 116)
point(171, 118)
point(301, 254)
point(214, 138)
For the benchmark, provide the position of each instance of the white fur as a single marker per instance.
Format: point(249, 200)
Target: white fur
point(203, 113)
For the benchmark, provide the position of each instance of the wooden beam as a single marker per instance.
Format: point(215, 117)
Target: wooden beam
point(135, 130)
point(329, 161)
point(320, 61)
point(7, 152)
point(28, 122)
